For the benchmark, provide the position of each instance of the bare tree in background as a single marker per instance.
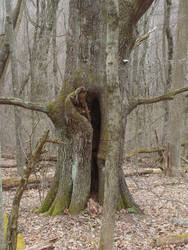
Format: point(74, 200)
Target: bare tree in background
point(15, 84)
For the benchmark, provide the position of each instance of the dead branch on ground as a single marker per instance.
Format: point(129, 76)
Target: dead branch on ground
point(142, 150)
point(172, 239)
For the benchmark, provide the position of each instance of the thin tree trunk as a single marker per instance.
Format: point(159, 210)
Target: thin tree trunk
point(113, 96)
point(168, 47)
point(14, 71)
point(2, 224)
point(4, 57)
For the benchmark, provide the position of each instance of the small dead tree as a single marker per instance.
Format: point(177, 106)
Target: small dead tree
point(13, 217)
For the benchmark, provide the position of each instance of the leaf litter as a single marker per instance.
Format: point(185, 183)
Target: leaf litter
point(163, 199)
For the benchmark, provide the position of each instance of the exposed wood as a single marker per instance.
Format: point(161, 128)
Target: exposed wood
point(172, 239)
point(24, 104)
point(143, 172)
point(143, 150)
point(39, 247)
point(13, 182)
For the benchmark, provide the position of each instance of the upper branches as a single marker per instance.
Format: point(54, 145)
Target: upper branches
point(27, 105)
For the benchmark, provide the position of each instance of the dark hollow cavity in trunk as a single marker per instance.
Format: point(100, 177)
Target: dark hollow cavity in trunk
point(94, 107)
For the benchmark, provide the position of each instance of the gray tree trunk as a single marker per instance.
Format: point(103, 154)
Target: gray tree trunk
point(178, 81)
point(18, 127)
point(86, 124)
point(168, 51)
point(113, 101)
point(2, 224)
point(4, 48)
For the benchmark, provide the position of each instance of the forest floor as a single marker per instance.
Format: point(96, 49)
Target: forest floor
point(164, 201)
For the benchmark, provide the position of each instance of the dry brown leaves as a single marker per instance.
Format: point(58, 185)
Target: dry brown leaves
point(164, 200)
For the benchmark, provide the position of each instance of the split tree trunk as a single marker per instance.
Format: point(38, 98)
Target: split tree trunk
point(86, 134)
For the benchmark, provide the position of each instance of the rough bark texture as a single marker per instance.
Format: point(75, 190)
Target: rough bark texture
point(91, 124)
point(2, 227)
point(176, 107)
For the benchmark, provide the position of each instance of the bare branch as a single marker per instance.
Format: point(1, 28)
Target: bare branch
point(23, 104)
point(55, 141)
point(169, 96)
point(13, 218)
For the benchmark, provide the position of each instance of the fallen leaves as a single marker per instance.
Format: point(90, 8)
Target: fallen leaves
point(163, 200)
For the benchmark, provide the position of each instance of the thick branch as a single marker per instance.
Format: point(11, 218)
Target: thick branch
point(20, 103)
point(140, 8)
point(169, 96)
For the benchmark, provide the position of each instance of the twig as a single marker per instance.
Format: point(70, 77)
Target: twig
point(186, 161)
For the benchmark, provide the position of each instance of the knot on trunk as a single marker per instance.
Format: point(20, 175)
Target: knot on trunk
point(77, 114)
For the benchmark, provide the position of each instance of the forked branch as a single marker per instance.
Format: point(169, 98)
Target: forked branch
point(23, 104)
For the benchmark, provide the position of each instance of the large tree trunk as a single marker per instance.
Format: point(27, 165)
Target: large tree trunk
point(176, 108)
point(84, 127)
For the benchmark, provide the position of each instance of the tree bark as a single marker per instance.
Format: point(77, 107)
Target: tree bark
point(176, 107)
point(168, 52)
point(113, 101)
point(2, 223)
point(90, 113)
point(4, 48)
point(18, 124)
